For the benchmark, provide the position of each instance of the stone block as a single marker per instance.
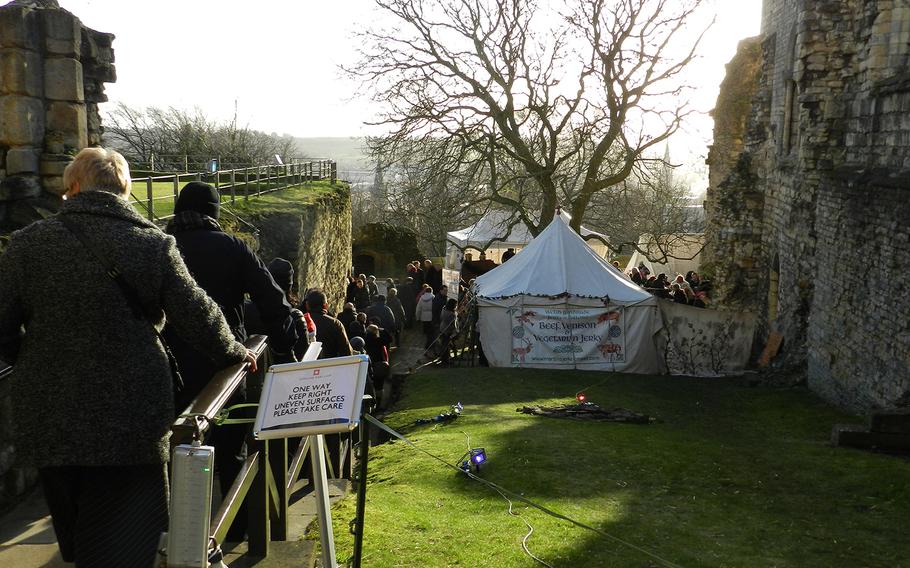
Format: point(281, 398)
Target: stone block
point(22, 161)
point(19, 187)
point(63, 79)
point(53, 184)
point(18, 27)
point(893, 422)
point(20, 72)
point(21, 121)
point(67, 117)
point(53, 142)
point(62, 33)
point(54, 164)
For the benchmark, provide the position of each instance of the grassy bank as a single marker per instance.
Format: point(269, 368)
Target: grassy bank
point(728, 476)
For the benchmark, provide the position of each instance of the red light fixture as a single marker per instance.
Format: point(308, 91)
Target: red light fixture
point(581, 397)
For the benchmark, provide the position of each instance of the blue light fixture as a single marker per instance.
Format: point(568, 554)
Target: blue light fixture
point(475, 457)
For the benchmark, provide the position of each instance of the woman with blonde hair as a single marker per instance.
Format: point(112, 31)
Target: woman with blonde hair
point(83, 296)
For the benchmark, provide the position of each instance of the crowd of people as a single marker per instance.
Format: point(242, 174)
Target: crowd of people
point(690, 289)
point(418, 297)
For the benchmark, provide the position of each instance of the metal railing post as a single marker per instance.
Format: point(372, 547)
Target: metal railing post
point(176, 190)
point(258, 526)
point(151, 197)
point(278, 461)
point(364, 457)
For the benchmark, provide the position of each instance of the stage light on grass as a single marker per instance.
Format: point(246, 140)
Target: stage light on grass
point(475, 457)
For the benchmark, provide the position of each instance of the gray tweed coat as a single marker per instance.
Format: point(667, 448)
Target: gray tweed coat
point(91, 384)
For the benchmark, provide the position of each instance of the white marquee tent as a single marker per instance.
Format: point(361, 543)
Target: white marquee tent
point(685, 249)
point(488, 231)
point(558, 304)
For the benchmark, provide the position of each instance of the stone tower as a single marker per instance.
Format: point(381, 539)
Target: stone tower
point(52, 75)
point(809, 195)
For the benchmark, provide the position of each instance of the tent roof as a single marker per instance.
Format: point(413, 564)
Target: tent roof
point(493, 225)
point(558, 262)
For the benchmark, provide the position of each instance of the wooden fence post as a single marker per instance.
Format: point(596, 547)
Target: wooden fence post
point(233, 186)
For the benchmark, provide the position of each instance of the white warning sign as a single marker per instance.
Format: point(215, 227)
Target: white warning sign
point(315, 397)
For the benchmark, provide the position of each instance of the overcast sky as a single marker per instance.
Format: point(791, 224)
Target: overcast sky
point(279, 59)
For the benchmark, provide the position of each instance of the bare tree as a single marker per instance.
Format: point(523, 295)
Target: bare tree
point(549, 107)
point(163, 135)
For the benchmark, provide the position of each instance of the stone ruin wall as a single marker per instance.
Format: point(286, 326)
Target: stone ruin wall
point(818, 198)
point(52, 75)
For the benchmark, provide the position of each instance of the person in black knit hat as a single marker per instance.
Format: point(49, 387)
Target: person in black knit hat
point(227, 269)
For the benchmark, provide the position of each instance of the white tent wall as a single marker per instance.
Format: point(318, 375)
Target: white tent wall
point(686, 246)
point(509, 342)
point(706, 343)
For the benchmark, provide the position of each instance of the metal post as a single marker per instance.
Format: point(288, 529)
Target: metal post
point(278, 460)
point(258, 526)
point(176, 189)
point(323, 509)
point(361, 491)
point(151, 205)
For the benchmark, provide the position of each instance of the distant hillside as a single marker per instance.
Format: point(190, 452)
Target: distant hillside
point(354, 165)
point(348, 151)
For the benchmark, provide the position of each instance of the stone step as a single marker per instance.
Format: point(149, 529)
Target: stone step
point(854, 436)
point(892, 422)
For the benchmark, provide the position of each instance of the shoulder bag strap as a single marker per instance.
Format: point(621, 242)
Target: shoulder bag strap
point(129, 293)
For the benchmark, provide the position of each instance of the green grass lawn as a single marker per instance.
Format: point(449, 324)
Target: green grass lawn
point(728, 476)
point(163, 193)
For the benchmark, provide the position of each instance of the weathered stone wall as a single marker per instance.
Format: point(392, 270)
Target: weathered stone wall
point(316, 240)
point(824, 182)
point(52, 75)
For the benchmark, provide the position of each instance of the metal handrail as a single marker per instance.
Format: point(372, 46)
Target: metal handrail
point(209, 402)
point(5, 370)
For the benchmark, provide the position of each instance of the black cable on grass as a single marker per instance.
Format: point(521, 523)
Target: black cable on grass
point(662, 561)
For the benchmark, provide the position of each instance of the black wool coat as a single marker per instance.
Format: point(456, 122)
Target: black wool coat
point(91, 384)
point(226, 268)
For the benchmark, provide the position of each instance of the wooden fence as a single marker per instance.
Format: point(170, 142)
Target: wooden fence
point(156, 195)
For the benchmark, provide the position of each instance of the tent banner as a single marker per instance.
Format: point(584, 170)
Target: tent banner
point(560, 336)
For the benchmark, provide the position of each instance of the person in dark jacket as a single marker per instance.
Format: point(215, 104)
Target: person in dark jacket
point(91, 386)
point(358, 327)
point(439, 302)
point(361, 296)
point(282, 272)
point(394, 303)
point(350, 290)
point(347, 315)
point(383, 312)
point(227, 269)
point(432, 275)
point(408, 294)
point(329, 330)
point(376, 342)
point(448, 328)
